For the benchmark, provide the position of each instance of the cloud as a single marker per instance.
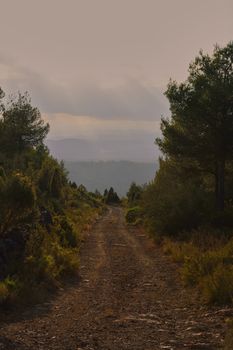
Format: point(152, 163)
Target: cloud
point(70, 126)
point(130, 100)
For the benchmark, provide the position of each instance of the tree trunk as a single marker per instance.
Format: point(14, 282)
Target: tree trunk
point(220, 184)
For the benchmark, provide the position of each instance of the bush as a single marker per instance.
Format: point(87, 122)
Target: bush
point(217, 287)
point(206, 263)
point(65, 230)
point(112, 197)
point(199, 265)
point(134, 194)
point(178, 250)
point(173, 203)
point(52, 178)
point(67, 260)
point(8, 288)
point(17, 201)
point(134, 215)
point(46, 259)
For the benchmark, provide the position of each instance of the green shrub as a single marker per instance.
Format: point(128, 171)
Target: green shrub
point(46, 259)
point(199, 265)
point(67, 260)
point(174, 203)
point(217, 287)
point(52, 178)
point(134, 194)
point(65, 230)
point(17, 201)
point(8, 289)
point(134, 215)
point(207, 264)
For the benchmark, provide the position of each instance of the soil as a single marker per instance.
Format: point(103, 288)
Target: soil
point(129, 296)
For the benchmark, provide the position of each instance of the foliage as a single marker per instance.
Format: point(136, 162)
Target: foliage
point(8, 290)
point(134, 215)
point(111, 197)
point(134, 194)
point(42, 214)
point(22, 124)
point(174, 203)
point(188, 205)
point(201, 125)
point(46, 260)
point(22, 131)
point(179, 250)
point(206, 263)
point(65, 231)
point(218, 287)
point(17, 201)
point(51, 178)
point(194, 180)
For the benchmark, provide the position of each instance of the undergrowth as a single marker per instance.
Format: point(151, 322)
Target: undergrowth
point(207, 262)
point(133, 215)
point(49, 257)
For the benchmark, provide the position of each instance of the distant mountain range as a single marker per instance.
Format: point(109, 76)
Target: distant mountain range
point(90, 162)
point(131, 148)
point(118, 174)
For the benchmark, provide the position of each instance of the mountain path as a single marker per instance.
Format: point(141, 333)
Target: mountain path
point(129, 296)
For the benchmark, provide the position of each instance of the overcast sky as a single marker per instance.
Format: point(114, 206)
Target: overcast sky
point(98, 68)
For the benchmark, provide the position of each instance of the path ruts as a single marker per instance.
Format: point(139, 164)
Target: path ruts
point(129, 296)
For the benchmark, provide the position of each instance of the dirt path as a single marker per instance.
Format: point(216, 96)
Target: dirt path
point(129, 297)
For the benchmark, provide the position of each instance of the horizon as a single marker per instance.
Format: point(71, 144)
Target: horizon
point(77, 149)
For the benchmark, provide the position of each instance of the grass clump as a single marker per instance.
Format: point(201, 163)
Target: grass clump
point(217, 287)
point(206, 258)
point(207, 264)
point(178, 250)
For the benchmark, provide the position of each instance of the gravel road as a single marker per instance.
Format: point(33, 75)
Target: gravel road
point(128, 296)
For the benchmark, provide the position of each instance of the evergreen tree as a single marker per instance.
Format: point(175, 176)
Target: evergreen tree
point(201, 124)
point(21, 126)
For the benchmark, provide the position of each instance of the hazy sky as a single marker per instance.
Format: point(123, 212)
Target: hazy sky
point(97, 68)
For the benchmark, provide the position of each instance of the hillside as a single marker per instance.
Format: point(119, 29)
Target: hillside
point(119, 174)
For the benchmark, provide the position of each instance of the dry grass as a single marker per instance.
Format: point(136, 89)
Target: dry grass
point(207, 264)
